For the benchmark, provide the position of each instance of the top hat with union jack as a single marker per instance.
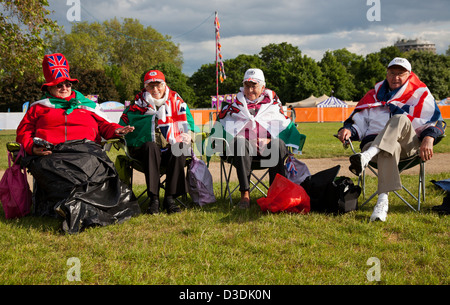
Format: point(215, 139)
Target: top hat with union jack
point(56, 70)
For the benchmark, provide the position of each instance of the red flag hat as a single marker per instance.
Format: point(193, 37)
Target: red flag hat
point(56, 70)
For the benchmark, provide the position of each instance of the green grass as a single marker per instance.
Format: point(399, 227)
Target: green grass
point(220, 244)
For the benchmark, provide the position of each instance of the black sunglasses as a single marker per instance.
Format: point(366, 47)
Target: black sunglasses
point(67, 84)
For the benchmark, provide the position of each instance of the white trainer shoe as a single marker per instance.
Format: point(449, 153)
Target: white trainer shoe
point(380, 210)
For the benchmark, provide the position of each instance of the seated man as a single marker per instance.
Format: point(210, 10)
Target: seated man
point(256, 127)
point(162, 122)
point(395, 120)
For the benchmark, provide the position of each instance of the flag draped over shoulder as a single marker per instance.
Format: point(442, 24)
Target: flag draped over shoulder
point(78, 102)
point(413, 99)
point(236, 117)
point(172, 118)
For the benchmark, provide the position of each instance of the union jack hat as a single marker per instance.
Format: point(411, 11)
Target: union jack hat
point(154, 76)
point(56, 70)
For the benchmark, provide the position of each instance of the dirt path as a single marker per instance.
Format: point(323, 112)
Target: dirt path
point(439, 163)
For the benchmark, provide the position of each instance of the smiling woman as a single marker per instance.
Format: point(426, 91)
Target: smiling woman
point(61, 134)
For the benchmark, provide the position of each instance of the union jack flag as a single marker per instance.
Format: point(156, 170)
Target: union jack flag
point(58, 66)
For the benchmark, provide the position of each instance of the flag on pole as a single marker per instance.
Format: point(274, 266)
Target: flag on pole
point(219, 57)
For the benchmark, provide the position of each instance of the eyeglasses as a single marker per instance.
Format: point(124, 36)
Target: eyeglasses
point(153, 86)
point(251, 85)
point(399, 74)
point(67, 84)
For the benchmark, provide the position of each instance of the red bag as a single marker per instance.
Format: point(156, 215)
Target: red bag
point(285, 195)
point(15, 193)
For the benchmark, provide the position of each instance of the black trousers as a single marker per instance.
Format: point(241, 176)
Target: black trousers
point(244, 157)
point(156, 162)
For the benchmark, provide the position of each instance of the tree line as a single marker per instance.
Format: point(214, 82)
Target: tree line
point(111, 58)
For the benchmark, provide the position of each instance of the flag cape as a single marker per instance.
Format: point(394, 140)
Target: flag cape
point(172, 118)
point(235, 117)
point(413, 99)
point(79, 102)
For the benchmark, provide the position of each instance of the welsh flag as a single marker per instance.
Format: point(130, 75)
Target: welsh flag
point(235, 119)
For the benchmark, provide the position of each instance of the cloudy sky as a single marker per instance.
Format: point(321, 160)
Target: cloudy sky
point(315, 26)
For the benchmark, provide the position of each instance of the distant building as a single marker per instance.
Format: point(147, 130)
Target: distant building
point(407, 45)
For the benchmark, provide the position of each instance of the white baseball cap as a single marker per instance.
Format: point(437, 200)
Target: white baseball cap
point(399, 61)
point(255, 76)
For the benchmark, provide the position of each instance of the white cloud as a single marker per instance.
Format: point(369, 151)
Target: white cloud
point(315, 26)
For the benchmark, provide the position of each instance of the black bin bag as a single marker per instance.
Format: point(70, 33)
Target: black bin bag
point(80, 183)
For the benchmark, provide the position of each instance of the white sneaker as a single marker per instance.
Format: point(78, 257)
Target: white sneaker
point(380, 210)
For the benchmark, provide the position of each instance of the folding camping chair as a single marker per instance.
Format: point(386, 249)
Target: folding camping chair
point(403, 165)
point(257, 182)
point(125, 164)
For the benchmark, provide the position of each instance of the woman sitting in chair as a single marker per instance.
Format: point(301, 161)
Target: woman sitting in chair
point(61, 134)
point(162, 138)
point(396, 120)
point(258, 129)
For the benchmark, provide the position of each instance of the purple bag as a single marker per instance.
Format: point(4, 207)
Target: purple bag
point(15, 193)
point(199, 182)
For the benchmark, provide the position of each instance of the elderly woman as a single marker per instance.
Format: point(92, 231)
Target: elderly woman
point(258, 129)
point(61, 134)
point(395, 120)
point(162, 138)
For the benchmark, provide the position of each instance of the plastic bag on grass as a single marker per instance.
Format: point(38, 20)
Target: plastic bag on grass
point(285, 195)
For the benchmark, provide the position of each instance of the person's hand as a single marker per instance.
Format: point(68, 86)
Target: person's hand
point(344, 134)
point(263, 142)
point(426, 148)
point(185, 138)
point(41, 151)
point(124, 130)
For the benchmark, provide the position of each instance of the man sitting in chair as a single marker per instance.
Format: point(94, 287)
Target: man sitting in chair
point(397, 119)
point(255, 126)
point(162, 137)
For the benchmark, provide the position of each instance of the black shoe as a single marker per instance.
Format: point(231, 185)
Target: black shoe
point(170, 206)
point(356, 164)
point(153, 207)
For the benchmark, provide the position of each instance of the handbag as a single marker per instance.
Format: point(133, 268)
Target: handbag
point(296, 170)
point(199, 182)
point(15, 193)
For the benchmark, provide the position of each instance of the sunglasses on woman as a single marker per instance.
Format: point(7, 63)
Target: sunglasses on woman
point(67, 84)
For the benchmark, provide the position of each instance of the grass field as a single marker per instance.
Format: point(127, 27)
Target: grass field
point(220, 244)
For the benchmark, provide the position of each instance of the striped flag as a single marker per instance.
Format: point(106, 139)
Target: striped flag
point(219, 57)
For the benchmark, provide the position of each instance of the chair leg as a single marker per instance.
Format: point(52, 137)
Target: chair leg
point(223, 173)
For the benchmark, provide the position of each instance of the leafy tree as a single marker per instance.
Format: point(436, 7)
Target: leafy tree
point(369, 73)
point(123, 50)
point(14, 94)
point(386, 55)
point(95, 82)
point(203, 82)
point(433, 70)
point(24, 25)
point(336, 73)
